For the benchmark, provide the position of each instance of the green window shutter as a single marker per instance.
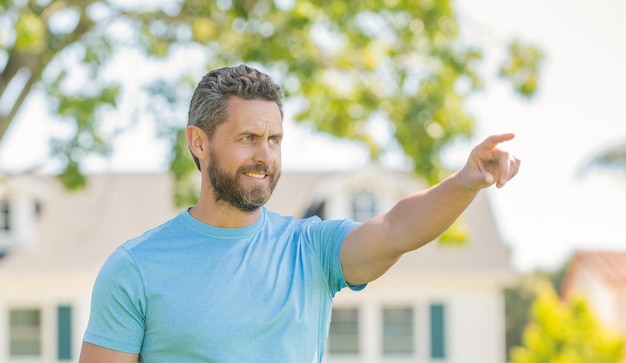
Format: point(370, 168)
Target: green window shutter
point(64, 335)
point(437, 331)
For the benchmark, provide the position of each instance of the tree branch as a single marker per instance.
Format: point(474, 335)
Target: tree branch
point(5, 120)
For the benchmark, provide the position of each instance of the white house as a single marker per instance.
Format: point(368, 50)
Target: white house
point(438, 304)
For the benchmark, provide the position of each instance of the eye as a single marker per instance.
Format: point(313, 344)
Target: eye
point(275, 140)
point(247, 138)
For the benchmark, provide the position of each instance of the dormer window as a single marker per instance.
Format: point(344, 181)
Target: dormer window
point(364, 206)
point(18, 220)
point(5, 215)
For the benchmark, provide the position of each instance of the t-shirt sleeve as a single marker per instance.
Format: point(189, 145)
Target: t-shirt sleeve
point(118, 305)
point(326, 238)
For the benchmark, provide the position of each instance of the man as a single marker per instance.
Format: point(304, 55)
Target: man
point(229, 281)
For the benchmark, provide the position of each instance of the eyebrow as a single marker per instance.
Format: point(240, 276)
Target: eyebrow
point(256, 134)
point(278, 134)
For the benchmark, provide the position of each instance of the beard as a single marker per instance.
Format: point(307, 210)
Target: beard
point(229, 189)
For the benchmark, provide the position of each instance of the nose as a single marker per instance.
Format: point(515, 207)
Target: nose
point(264, 153)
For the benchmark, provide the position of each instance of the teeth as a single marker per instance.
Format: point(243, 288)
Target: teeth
point(256, 175)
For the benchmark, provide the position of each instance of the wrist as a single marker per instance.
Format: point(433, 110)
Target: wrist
point(465, 182)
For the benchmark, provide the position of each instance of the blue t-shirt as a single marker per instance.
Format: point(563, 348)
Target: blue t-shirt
point(190, 292)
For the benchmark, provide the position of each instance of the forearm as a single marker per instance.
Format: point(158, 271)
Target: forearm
point(422, 216)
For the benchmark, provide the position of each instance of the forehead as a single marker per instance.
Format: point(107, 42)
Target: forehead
point(244, 113)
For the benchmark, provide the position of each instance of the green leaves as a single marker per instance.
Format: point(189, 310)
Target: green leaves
point(522, 67)
point(613, 157)
point(182, 168)
point(30, 33)
point(396, 59)
point(83, 113)
point(562, 332)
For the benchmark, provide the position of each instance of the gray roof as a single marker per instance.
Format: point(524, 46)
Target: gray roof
point(76, 231)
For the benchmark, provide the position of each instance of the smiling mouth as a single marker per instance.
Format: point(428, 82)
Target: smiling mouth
point(256, 175)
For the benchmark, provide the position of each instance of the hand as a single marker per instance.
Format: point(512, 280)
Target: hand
point(488, 165)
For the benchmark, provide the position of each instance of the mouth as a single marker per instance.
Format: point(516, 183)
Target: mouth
point(256, 175)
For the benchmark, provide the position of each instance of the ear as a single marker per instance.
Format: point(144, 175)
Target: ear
point(198, 142)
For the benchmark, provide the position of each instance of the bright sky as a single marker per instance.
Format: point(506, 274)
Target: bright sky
point(547, 212)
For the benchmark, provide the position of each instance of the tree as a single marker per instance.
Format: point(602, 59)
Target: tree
point(563, 332)
point(518, 301)
point(395, 59)
point(612, 158)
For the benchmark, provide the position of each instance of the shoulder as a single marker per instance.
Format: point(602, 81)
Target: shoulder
point(276, 218)
point(172, 227)
point(312, 224)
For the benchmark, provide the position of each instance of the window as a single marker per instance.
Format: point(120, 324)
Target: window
point(5, 215)
point(437, 331)
point(343, 337)
point(315, 209)
point(364, 206)
point(24, 332)
point(397, 331)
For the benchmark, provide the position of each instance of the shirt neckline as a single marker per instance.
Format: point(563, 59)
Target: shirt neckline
point(220, 232)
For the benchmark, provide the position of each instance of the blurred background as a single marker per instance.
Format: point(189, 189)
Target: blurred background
point(97, 88)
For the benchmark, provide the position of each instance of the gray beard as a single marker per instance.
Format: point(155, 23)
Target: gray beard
point(227, 188)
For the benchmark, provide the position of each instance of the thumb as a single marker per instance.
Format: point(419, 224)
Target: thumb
point(477, 179)
point(487, 179)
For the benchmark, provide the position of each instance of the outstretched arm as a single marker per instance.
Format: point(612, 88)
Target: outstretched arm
point(95, 354)
point(372, 248)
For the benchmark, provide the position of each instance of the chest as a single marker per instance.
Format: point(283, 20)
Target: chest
point(234, 295)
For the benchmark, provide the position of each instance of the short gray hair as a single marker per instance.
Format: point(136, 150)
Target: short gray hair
point(209, 108)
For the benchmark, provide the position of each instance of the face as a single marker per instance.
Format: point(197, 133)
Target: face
point(244, 154)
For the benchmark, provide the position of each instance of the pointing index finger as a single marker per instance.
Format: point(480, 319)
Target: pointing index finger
point(492, 141)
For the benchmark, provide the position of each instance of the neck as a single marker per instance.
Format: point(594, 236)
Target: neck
point(223, 215)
